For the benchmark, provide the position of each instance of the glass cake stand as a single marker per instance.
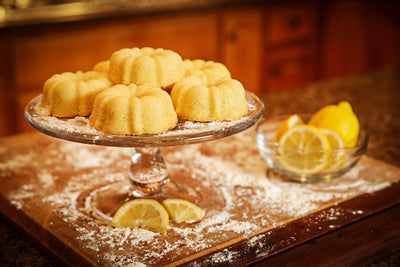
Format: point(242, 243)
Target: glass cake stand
point(147, 174)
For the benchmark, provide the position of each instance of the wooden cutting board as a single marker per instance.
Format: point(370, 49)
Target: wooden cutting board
point(46, 185)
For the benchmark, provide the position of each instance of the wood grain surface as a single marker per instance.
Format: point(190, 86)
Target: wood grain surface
point(46, 184)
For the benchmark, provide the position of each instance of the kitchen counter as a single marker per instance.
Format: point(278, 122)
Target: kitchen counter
point(374, 99)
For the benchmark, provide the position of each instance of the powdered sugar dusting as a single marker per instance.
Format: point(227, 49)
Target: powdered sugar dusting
point(239, 197)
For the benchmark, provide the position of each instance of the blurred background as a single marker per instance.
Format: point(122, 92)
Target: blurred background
point(269, 46)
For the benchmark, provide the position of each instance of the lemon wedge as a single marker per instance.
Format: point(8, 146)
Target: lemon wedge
point(340, 119)
point(303, 149)
point(289, 123)
point(182, 210)
point(142, 213)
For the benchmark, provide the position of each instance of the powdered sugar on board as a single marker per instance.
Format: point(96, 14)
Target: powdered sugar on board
point(238, 196)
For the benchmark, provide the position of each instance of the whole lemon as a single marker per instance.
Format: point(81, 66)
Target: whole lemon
point(340, 119)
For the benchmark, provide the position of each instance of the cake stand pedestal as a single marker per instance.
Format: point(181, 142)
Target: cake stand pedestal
point(147, 174)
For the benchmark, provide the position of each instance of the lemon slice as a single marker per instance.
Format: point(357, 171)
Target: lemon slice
point(143, 213)
point(303, 150)
point(182, 210)
point(335, 142)
point(289, 123)
point(336, 156)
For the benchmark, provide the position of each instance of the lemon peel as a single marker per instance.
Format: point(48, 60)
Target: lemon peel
point(340, 119)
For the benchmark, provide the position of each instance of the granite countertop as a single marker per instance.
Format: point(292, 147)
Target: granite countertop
point(374, 97)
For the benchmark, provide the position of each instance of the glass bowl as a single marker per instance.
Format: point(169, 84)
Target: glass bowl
point(335, 163)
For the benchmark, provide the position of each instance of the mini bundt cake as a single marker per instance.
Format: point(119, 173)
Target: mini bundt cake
point(157, 67)
point(102, 66)
point(72, 94)
point(211, 98)
point(209, 68)
point(130, 109)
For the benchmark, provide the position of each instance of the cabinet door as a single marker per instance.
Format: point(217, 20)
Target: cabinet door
point(289, 46)
point(289, 68)
point(290, 23)
point(241, 46)
point(270, 48)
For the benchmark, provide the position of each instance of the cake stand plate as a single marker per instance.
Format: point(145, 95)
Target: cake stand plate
point(148, 175)
point(77, 129)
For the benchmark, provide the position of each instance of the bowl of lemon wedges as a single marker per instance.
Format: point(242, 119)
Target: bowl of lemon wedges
point(312, 147)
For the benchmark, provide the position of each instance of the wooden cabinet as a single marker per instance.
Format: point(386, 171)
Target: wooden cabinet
point(277, 47)
point(271, 48)
point(267, 46)
point(242, 45)
point(359, 36)
point(290, 41)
